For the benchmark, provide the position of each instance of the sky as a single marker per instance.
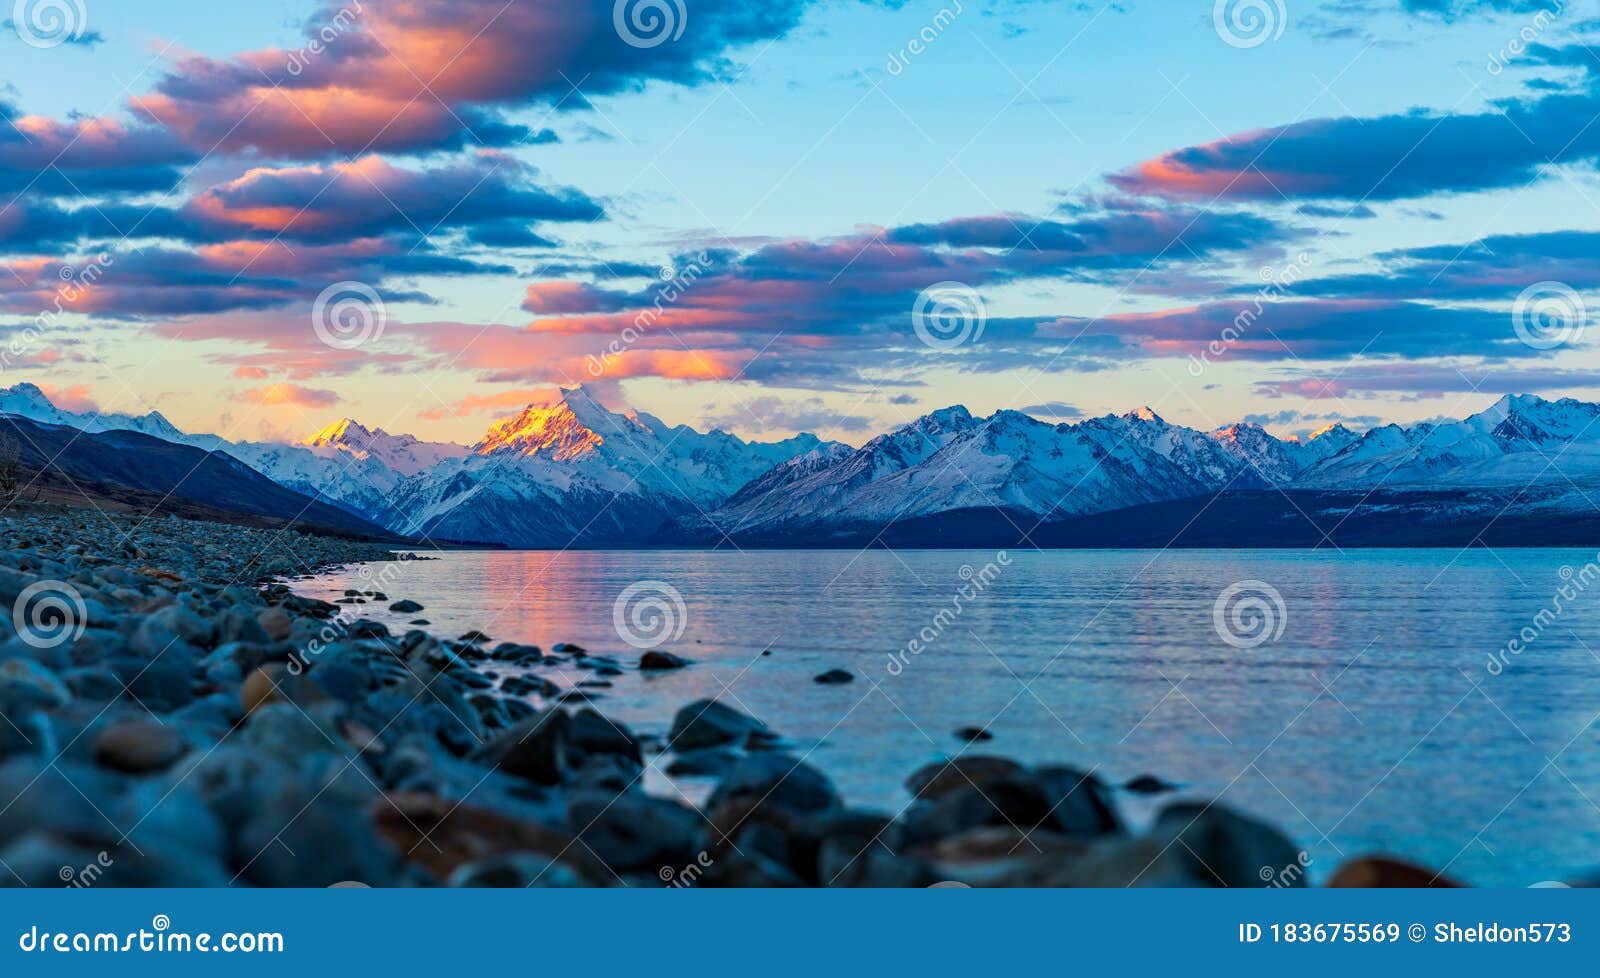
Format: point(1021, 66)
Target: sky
point(802, 215)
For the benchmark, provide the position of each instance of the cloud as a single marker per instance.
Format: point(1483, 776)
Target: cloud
point(769, 414)
point(1427, 381)
point(483, 403)
point(75, 398)
point(1391, 157)
point(401, 76)
point(371, 196)
point(273, 395)
point(1495, 267)
point(816, 306)
point(1054, 411)
point(1302, 329)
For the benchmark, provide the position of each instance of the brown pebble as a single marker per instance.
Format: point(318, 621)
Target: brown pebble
point(138, 747)
point(275, 622)
point(261, 687)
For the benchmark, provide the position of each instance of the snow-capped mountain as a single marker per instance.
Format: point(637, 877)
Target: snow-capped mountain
point(1520, 440)
point(575, 472)
point(404, 454)
point(572, 472)
point(950, 461)
point(28, 401)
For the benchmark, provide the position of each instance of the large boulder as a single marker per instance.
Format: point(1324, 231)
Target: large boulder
point(711, 723)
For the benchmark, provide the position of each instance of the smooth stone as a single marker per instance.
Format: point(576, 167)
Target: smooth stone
point(1382, 872)
point(535, 749)
point(705, 762)
point(517, 871)
point(711, 723)
point(654, 661)
point(933, 780)
point(24, 682)
point(138, 747)
point(973, 735)
point(834, 677)
point(1148, 784)
point(593, 733)
point(775, 779)
point(635, 831)
point(405, 606)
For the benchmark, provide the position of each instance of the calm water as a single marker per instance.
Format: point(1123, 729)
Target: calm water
point(1370, 724)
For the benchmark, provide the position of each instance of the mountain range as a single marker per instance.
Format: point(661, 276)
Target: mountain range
point(575, 473)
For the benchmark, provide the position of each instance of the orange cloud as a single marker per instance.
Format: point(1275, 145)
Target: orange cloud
point(274, 395)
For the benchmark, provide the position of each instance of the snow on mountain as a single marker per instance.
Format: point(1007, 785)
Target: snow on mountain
point(28, 401)
point(1518, 441)
point(405, 454)
point(574, 471)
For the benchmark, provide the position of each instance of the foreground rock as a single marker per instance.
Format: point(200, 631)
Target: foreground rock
point(177, 716)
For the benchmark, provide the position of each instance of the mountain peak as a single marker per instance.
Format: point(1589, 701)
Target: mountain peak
point(1146, 413)
point(345, 431)
point(562, 429)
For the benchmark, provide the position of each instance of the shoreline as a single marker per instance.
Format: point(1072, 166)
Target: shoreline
point(193, 728)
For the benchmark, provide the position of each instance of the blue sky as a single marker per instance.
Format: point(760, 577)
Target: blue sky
point(1037, 155)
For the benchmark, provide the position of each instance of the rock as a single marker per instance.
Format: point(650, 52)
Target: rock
point(518, 871)
point(973, 734)
point(1148, 784)
point(159, 686)
point(1220, 847)
point(634, 831)
point(535, 749)
point(834, 677)
point(661, 661)
point(275, 623)
point(775, 779)
point(1081, 804)
point(529, 685)
point(934, 780)
point(1060, 800)
point(315, 836)
point(443, 836)
point(25, 683)
point(512, 652)
point(473, 637)
point(138, 747)
point(405, 607)
point(261, 687)
point(710, 723)
point(1382, 872)
point(567, 648)
point(708, 761)
point(595, 734)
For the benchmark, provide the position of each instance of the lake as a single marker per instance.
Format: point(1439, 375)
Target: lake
point(1364, 701)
